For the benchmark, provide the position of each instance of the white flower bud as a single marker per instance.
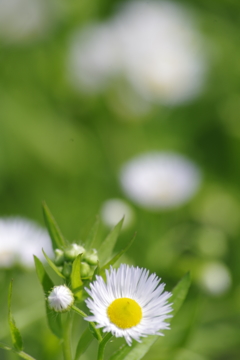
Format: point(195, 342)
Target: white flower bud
point(60, 298)
point(73, 251)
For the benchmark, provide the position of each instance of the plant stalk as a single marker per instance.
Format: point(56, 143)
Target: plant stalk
point(102, 346)
point(67, 351)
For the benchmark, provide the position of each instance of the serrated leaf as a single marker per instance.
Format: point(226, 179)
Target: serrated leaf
point(83, 343)
point(90, 243)
point(53, 266)
point(57, 238)
point(54, 320)
point(179, 293)
point(76, 281)
point(15, 333)
point(106, 248)
point(21, 354)
point(138, 350)
point(117, 256)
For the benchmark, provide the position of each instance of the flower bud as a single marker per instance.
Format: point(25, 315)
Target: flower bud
point(59, 257)
point(67, 269)
point(73, 251)
point(60, 298)
point(85, 270)
point(91, 257)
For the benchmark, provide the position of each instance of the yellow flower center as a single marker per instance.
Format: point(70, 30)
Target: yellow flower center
point(125, 313)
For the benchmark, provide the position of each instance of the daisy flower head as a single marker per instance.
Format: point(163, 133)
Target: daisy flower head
point(130, 304)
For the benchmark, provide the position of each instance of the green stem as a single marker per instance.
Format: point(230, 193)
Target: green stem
point(67, 352)
point(102, 346)
point(93, 327)
point(22, 354)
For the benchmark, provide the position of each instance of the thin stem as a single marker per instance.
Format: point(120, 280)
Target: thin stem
point(67, 351)
point(92, 325)
point(102, 346)
point(22, 354)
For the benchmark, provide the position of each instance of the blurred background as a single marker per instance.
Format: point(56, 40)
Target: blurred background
point(114, 108)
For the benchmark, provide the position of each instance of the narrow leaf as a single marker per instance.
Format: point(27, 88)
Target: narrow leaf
point(138, 350)
point(76, 281)
point(83, 343)
point(57, 238)
point(117, 256)
point(179, 293)
point(54, 320)
point(53, 266)
point(108, 244)
point(15, 333)
point(90, 243)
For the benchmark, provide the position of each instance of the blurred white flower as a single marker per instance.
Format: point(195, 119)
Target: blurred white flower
point(152, 44)
point(22, 20)
point(159, 180)
point(113, 210)
point(92, 58)
point(20, 239)
point(161, 51)
point(215, 278)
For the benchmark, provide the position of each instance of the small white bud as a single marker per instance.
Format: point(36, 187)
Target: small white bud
point(60, 298)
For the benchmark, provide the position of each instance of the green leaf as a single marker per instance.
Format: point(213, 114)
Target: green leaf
point(21, 354)
point(179, 293)
point(91, 239)
point(138, 350)
point(15, 333)
point(53, 266)
point(117, 256)
point(76, 281)
point(57, 238)
point(106, 248)
point(54, 320)
point(83, 343)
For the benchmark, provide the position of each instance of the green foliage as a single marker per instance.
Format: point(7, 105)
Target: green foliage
point(90, 242)
point(117, 256)
point(54, 320)
point(107, 246)
point(57, 238)
point(15, 333)
point(83, 343)
point(53, 266)
point(76, 281)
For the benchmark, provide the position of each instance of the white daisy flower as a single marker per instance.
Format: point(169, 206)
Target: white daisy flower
point(60, 298)
point(160, 180)
point(20, 239)
point(131, 304)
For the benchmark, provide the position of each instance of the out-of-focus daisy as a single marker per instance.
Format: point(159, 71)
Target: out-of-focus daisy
point(215, 278)
point(131, 304)
point(153, 45)
point(113, 210)
point(160, 180)
point(92, 58)
point(20, 239)
point(22, 20)
point(161, 51)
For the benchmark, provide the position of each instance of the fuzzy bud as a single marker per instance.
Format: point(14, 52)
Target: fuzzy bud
point(91, 257)
point(59, 257)
point(85, 270)
point(60, 298)
point(67, 269)
point(73, 251)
